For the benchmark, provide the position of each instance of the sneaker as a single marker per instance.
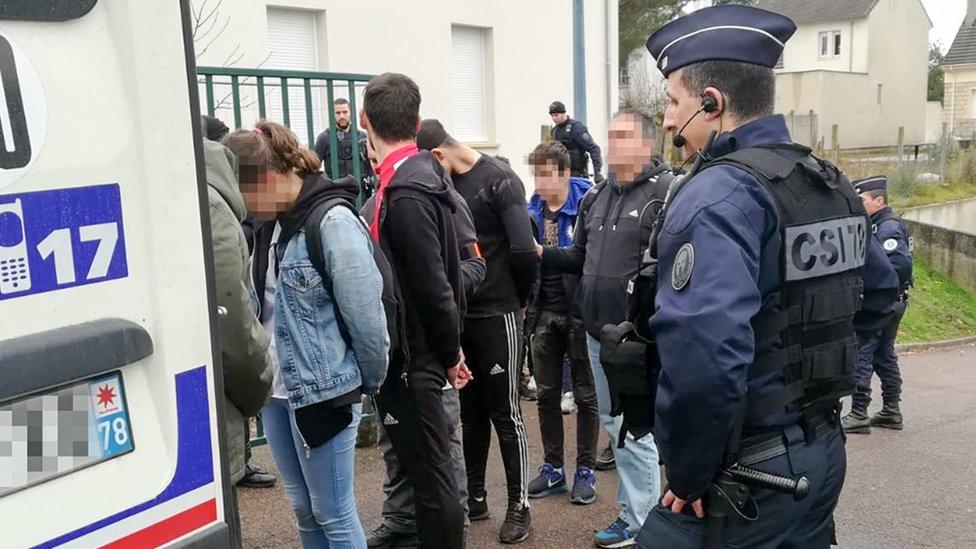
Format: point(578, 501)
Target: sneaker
point(616, 535)
point(528, 389)
point(383, 536)
point(256, 477)
point(517, 525)
point(567, 403)
point(478, 509)
point(550, 481)
point(605, 461)
point(584, 487)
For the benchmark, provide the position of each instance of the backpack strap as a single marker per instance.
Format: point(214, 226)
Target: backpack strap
point(313, 241)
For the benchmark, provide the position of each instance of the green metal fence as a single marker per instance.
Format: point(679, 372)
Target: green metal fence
point(239, 97)
point(296, 99)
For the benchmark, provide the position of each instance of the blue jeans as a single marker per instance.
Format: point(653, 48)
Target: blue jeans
point(637, 462)
point(319, 484)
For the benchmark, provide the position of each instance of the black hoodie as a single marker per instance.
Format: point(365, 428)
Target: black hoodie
point(316, 189)
point(611, 235)
point(418, 236)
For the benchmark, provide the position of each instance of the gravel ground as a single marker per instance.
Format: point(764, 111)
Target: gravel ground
point(912, 488)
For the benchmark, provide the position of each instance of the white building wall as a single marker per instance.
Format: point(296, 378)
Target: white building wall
point(802, 52)
point(530, 56)
point(890, 49)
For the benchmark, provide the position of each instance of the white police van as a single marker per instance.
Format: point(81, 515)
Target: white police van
point(109, 421)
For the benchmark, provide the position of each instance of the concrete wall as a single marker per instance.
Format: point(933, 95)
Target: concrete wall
point(958, 216)
point(934, 116)
point(530, 56)
point(952, 253)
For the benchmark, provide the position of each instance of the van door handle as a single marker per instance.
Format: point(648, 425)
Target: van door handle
point(35, 362)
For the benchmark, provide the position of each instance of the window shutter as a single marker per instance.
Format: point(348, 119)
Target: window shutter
point(292, 46)
point(468, 84)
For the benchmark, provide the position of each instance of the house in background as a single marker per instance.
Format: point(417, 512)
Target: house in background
point(959, 66)
point(859, 64)
point(486, 71)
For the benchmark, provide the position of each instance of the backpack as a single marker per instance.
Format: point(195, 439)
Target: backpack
point(392, 303)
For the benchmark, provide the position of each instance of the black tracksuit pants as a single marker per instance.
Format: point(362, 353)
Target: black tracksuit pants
point(492, 347)
point(414, 417)
point(557, 335)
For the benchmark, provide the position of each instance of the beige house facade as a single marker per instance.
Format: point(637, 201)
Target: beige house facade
point(959, 66)
point(859, 65)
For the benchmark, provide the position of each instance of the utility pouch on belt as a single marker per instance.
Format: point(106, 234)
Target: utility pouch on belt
point(631, 367)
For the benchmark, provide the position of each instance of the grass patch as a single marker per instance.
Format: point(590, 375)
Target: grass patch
point(933, 194)
point(937, 309)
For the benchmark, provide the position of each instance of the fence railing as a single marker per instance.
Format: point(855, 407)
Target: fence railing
point(296, 99)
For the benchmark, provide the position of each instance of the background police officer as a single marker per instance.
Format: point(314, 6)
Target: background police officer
point(876, 351)
point(344, 136)
point(575, 136)
point(752, 286)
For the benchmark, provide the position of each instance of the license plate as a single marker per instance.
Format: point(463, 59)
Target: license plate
point(55, 433)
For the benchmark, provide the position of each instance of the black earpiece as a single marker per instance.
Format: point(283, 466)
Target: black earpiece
point(709, 103)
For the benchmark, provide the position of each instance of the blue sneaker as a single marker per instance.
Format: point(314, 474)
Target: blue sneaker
point(550, 481)
point(584, 487)
point(616, 535)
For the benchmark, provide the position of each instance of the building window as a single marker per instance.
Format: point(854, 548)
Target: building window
point(470, 71)
point(972, 107)
point(829, 44)
point(292, 45)
point(879, 93)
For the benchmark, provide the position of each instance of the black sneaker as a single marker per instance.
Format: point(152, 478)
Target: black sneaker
point(517, 525)
point(584, 487)
point(605, 461)
point(256, 477)
point(383, 536)
point(478, 509)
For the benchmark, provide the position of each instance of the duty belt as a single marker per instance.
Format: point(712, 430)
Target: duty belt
point(759, 448)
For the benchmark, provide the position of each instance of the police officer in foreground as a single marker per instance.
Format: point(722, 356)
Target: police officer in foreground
point(876, 347)
point(575, 136)
point(346, 148)
point(761, 253)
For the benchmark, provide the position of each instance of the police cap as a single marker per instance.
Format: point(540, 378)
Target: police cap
point(556, 106)
point(728, 32)
point(875, 183)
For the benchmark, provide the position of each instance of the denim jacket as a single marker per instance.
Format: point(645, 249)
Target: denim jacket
point(317, 362)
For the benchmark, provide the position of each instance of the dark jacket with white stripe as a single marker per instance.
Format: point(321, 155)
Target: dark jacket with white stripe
point(611, 235)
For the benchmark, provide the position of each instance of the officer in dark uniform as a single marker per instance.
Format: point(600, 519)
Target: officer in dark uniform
point(575, 136)
point(876, 349)
point(344, 143)
point(761, 253)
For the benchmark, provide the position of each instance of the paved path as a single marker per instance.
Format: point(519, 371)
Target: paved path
point(915, 488)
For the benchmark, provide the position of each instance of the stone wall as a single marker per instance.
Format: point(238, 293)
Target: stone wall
point(952, 253)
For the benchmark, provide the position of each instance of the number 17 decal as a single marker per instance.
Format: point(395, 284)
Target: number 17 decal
point(50, 240)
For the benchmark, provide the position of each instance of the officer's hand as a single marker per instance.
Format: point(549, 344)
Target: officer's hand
point(677, 504)
point(539, 249)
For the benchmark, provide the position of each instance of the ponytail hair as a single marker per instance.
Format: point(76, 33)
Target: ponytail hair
point(272, 147)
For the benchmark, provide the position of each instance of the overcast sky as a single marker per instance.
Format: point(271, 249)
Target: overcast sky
point(946, 17)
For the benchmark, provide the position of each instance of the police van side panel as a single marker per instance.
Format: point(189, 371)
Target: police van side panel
point(110, 235)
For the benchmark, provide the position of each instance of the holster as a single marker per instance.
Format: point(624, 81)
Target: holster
point(631, 366)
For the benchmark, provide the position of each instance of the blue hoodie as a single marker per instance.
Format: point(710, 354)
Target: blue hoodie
point(578, 187)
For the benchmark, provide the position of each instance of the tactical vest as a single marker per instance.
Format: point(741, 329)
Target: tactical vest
point(578, 158)
point(824, 230)
point(346, 148)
